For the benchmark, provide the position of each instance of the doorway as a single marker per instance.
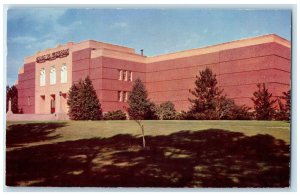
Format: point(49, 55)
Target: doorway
point(52, 104)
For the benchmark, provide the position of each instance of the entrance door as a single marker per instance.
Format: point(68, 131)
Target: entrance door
point(52, 105)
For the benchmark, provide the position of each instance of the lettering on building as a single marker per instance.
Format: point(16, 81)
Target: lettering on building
point(52, 56)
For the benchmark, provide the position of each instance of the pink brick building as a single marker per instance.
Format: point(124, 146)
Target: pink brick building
point(46, 77)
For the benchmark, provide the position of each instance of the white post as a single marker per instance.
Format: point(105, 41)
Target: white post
point(9, 107)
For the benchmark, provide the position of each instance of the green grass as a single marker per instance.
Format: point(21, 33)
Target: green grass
point(178, 154)
point(74, 130)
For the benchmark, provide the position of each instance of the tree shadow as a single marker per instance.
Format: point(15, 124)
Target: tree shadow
point(209, 158)
point(18, 135)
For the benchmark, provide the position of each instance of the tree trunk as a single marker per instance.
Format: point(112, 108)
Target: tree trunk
point(143, 135)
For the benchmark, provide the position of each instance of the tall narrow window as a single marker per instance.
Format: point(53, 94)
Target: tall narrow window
point(63, 74)
point(129, 75)
point(52, 75)
point(125, 96)
point(120, 74)
point(124, 75)
point(120, 96)
point(42, 77)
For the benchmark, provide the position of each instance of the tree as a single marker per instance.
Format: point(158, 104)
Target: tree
point(263, 103)
point(140, 107)
point(12, 94)
point(284, 112)
point(83, 101)
point(166, 111)
point(208, 96)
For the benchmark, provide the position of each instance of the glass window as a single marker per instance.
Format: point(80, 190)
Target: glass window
point(63, 74)
point(42, 77)
point(120, 96)
point(120, 74)
point(130, 75)
point(124, 75)
point(52, 75)
point(125, 96)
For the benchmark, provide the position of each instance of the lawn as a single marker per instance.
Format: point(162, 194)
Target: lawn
point(178, 154)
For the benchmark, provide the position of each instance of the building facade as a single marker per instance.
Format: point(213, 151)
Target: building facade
point(46, 77)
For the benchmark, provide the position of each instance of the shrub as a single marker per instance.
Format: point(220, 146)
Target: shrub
point(115, 115)
point(166, 111)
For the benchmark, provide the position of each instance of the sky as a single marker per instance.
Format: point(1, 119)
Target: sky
point(157, 31)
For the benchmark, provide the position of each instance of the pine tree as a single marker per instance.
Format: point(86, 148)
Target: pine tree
point(91, 107)
point(208, 96)
point(263, 103)
point(284, 112)
point(140, 107)
point(74, 102)
point(83, 101)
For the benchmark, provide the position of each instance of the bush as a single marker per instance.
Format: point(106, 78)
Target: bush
point(115, 115)
point(166, 111)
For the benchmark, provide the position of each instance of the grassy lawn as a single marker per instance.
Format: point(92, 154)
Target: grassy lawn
point(178, 154)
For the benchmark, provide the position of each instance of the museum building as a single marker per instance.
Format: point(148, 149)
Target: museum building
point(46, 77)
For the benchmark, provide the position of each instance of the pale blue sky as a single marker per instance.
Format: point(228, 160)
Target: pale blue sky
point(157, 31)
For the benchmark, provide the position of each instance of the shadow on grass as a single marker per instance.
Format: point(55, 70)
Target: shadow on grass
point(209, 158)
point(21, 134)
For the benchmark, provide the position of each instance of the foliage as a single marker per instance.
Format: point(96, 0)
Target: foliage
point(140, 107)
point(167, 111)
point(83, 101)
point(115, 115)
point(12, 94)
point(230, 111)
point(284, 112)
point(263, 103)
point(207, 96)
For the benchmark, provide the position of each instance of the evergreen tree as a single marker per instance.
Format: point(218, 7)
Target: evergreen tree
point(263, 103)
point(140, 107)
point(74, 102)
point(12, 94)
point(83, 102)
point(284, 112)
point(206, 105)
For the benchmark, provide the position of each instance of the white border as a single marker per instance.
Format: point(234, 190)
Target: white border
point(159, 3)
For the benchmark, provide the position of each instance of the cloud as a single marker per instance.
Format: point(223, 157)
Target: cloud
point(36, 15)
point(22, 39)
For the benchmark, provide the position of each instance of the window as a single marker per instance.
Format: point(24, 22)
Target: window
point(28, 101)
point(124, 75)
point(63, 74)
point(42, 77)
point(52, 75)
point(120, 96)
point(129, 75)
point(120, 74)
point(125, 96)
